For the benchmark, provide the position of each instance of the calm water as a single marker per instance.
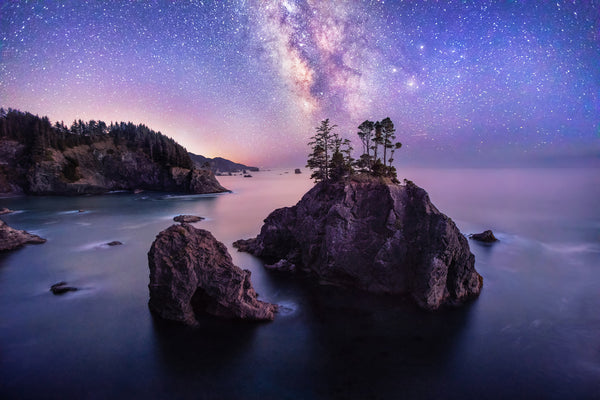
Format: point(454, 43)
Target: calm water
point(533, 333)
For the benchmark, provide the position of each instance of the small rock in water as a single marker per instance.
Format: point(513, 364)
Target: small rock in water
point(187, 218)
point(80, 211)
point(247, 176)
point(114, 243)
point(62, 288)
point(5, 211)
point(282, 265)
point(297, 171)
point(486, 236)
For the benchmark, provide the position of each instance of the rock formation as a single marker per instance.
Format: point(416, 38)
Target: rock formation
point(11, 238)
point(379, 237)
point(191, 273)
point(219, 165)
point(62, 288)
point(486, 237)
point(187, 218)
point(90, 158)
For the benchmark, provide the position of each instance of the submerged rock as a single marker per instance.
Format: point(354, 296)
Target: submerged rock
point(114, 243)
point(187, 218)
point(191, 273)
point(11, 238)
point(62, 288)
point(485, 236)
point(297, 171)
point(5, 211)
point(379, 237)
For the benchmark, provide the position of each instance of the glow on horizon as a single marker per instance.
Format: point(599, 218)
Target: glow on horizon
point(249, 80)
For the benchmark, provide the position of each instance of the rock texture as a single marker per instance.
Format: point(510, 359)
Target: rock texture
point(11, 238)
point(486, 237)
point(37, 157)
point(383, 238)
point(104, 167)
point(191, 273)
point(187, 218)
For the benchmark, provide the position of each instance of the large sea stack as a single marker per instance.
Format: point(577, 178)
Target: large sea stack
point(191, 274)
point(376, 236)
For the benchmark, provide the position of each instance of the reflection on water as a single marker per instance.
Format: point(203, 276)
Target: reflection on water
point(532, 333)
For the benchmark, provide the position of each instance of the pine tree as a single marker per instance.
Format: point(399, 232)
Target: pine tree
point(323, 146)
point(365, 134)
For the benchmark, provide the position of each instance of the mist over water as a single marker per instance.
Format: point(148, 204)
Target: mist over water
point(533, 332)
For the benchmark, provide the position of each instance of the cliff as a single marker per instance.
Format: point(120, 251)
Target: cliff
point(191, 274)
point(38, 158)
point(378, 237)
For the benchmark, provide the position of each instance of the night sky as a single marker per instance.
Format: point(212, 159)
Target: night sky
point(465, 82)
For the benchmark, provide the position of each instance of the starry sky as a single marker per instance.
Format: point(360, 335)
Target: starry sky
point(465, 82)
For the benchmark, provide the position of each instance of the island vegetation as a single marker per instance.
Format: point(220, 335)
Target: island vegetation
point(93, 157)
point(331, 159)
point(38, 135)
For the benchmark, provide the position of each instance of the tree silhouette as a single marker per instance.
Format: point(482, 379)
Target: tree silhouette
point(323, 146)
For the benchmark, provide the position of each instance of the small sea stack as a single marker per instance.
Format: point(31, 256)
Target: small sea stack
point(485, 237)
point(192, 274)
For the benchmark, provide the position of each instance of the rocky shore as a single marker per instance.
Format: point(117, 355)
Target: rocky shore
point(11, 238)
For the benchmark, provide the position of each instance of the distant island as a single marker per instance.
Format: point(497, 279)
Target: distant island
point(92, 157)
point(219, 165)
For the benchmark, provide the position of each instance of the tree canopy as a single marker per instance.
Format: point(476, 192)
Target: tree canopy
point(37, 134)
point(331, 156)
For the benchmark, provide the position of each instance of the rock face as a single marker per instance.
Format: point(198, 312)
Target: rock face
point(383, 238)
point(187, 218)
point(104, 167)
point(191, 273)
point(486, 237)
point(39, 158)
point(11, 238)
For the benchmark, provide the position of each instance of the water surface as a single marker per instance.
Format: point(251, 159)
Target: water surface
point(534, 331)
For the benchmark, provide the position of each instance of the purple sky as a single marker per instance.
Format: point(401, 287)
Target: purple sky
point(465, 82)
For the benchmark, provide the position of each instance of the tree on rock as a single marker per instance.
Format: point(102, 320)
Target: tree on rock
point(323, 147)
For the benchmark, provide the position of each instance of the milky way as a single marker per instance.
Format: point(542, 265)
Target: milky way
point(250, 79)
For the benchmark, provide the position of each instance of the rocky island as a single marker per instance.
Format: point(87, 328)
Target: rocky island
point(373, 235)
point(192, 274)
point(92, 158)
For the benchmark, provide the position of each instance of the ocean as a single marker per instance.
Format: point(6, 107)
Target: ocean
point(534, 332)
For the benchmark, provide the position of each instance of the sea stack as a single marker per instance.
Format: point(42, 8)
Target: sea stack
point(373, 235)
point(191, 274)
